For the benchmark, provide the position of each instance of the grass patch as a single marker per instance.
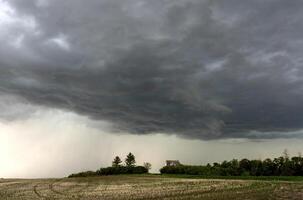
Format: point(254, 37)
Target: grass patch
point(263, 178)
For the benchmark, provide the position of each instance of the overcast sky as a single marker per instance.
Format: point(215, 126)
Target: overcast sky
point(82, 81)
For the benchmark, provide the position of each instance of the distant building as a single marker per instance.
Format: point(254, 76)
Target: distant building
point(172, 163)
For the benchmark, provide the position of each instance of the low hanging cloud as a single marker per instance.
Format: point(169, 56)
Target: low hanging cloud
point(197, 69)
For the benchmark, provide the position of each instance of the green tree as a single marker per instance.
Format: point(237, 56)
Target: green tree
point(130, 160)
point(286, 154)
point(269, 167)
point(147, 166)
point(256, 167)
point(278, 162)
point(244, 165)
point(116, 162)
point(234, 167)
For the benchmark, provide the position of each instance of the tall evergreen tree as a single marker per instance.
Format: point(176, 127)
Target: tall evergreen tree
point(116, 162)
point(130, 160)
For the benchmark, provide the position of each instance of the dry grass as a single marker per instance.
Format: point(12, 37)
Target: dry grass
point(147, 187)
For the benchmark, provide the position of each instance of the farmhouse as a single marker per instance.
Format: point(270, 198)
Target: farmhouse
point(172, 163)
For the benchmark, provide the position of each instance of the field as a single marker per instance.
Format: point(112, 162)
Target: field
point(148, 187)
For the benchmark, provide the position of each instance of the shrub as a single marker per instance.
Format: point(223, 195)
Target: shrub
point(122, 170)
point(83, 174)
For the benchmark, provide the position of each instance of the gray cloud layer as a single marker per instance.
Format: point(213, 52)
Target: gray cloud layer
point(198, 69)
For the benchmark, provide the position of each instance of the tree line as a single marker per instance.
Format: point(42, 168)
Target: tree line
point(280, 166)
point(117, 167)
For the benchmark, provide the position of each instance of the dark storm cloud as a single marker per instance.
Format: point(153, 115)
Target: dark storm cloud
point(198, 69)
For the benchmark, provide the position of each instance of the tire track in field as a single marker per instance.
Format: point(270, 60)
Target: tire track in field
point(51, 188)
point(65, 193)
point(38, 193)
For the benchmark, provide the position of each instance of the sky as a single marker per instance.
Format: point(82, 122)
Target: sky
point(194, 80)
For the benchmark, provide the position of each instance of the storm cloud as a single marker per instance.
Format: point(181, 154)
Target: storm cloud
point(197, 69)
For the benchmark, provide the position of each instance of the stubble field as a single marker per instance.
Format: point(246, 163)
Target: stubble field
point(147, 187)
